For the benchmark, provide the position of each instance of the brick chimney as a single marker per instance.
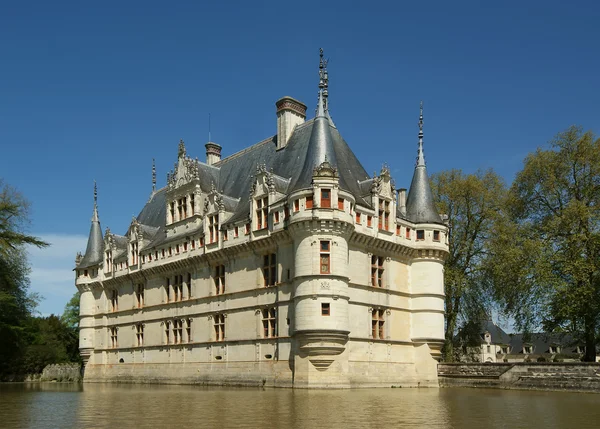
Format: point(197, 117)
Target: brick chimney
point(213, 153)
point(290, 113)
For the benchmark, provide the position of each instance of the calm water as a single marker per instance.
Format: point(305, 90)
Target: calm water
point(115, 406)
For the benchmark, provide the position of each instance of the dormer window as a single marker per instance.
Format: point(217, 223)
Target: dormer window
point(553, 349)
point(384, 214)
point(109, 261)
point(326, 198)
point(527, 350)
point(213, 228)
point(420, 234)
point(172, 211)
point(134, 253)
point(192, 203)
point(262, 207)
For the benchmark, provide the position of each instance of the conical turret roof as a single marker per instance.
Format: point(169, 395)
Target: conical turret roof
point(420, 206)
point(95, 244)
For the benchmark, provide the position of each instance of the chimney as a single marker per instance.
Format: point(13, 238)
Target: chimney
point(213, 153)
point(402, 200)
point(290, 112)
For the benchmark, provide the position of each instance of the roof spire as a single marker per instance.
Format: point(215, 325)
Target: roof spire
point(95, 244)
point(153, 176)
point(420, 155)
point(320, 107)
point(323, 78)
point(95, 215)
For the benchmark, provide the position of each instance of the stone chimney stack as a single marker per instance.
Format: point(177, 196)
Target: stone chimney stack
point(402, 200)
point(290, 113)
point(213, 153)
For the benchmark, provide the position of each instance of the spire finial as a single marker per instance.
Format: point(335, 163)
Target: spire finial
point(153, 176)
point(95, 194)
point(181, 149)
point(420, 155)
point(323, 78)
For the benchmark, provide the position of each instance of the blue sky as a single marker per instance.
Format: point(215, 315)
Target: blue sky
point(95, 91)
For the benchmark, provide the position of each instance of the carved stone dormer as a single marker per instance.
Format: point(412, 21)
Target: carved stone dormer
point(325, 180)
point(383, 197)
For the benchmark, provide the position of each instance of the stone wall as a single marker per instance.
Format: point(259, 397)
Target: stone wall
point(62, 372)
point(522, 375)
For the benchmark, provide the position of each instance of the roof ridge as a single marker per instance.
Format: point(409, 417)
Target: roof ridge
point(245, 150)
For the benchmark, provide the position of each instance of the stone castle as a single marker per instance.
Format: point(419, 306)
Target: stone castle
point(283, 265)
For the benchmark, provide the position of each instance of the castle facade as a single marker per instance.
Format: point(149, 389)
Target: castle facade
point(283, 265)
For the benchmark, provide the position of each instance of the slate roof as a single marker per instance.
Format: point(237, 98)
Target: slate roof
point(95, 245)
point(498, 335)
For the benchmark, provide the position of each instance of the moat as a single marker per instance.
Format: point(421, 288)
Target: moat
point(56, 405)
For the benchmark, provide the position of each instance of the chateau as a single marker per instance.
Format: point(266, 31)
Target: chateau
point(284, 264)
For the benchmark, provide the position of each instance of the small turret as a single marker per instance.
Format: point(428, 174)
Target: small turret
point(95, 245)
point(420, 207)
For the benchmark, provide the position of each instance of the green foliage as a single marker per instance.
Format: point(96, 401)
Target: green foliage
point(473, 204)
point(16, 304)
point(70, 316)
point(545, 260)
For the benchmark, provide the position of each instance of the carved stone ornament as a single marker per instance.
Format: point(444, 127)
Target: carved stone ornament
point(325, 170)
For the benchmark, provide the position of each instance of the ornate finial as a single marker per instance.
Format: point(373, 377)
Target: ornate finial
point(420, 155)
point(181, 153)
point(323, 78)
point(153, 176)
point(95, 194)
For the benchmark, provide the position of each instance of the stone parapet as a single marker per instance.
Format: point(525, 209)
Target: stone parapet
point(574, 376)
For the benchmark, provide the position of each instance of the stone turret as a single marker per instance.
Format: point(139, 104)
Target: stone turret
point(87, 271)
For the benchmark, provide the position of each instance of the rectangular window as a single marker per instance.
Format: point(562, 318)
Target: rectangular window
point(213, 228)
point(192, 203)
point(325, 309)
point(185, 245)
point(269, 319)
point(180, 208)
point(188, 330)
point(236, 232)
point(340, 204)
point(325, 257)
point(262, 207)
point(139, 295)
point(189, 285)
point(179, 288)
point(177, 248)
point(286, 212)
point(369, 221)
point(168, 289)
point(358, 218)
point(377, 323)
point(113, 338)
point(185, 207)
point(167, 332)
point(134, 253)
point(527, 349)
point(309, 202)
point(201, 241)
point(108, 261)
point(139, 334)
point(408, 233)
point(505, 350)
point(276, 216)
point(247, 229)
point(177, 331)
point(193, 243)
point(219, 327)
point(384, 215)
point(172, 210)
point(219, 279)
point(398, 230)
point(489, 349)
point(420, 234)
point(326, 198)
point(225, 235)
point(114, 300)
point(170, 251)
point(377, 271)
point(270, 269)
point(436, 236)
point(296, 205)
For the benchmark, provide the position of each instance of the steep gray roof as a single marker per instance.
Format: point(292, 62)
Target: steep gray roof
point(155, 211)
point(420, 207)
point(95, 245)
point(497, 333)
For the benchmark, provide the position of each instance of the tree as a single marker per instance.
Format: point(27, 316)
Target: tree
point(546, 258)
point(473, 204)
point(70, 316)
point(16, 304)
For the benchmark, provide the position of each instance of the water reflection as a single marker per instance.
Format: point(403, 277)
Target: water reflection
point(55, 405)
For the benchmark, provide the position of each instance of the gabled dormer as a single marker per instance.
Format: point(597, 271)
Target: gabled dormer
point(184, 195)
point(267, 188)
point(383, 191)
